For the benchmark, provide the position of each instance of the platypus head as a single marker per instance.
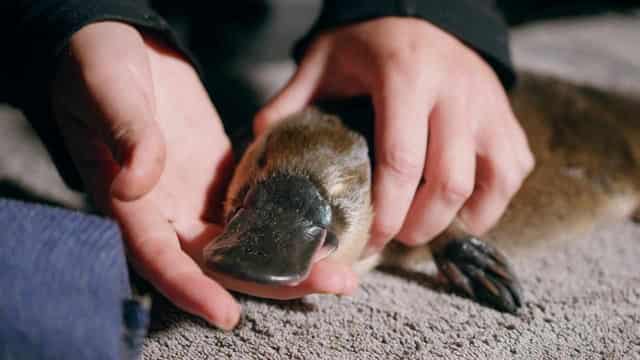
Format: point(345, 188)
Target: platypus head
point(274, 235)
point(299, 193)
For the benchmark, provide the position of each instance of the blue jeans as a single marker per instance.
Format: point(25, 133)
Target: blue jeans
point(63, 284)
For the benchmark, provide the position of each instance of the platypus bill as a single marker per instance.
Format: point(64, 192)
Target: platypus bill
point(301, 192)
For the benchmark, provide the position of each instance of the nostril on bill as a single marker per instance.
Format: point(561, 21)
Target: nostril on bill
point(328, 245)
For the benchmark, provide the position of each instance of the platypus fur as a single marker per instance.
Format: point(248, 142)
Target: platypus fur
point(302, 191)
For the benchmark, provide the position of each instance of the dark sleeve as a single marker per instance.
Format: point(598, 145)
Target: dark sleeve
point(475, 22)
point(518, 12)
point(34, 34)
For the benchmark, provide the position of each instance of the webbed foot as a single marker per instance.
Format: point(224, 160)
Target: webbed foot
point(480, 272)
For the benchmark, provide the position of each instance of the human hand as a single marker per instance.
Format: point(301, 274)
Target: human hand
point(152, 152)
point(425, 85)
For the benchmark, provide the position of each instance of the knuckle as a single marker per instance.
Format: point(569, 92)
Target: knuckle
point(455, 190)
point(402, 163)
point(400, 61)
point(385, 229)
point(510, 183)
point(399, 56)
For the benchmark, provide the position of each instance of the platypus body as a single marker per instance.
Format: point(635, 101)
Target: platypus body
point(302, 191)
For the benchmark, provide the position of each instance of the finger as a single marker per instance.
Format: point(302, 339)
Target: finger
point(326, 277)
point(330, 278)
point(525, 155)
point(156, 252)
point(449, 176)
point(503, 116)
point(298, 92)
point(401, 130)
point(500, 173)
point(119, 102)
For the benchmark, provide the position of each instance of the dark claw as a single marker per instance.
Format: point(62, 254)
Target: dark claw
point(479, 271)
point(456, 277)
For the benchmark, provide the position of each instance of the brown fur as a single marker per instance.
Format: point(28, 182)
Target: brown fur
point(319, 147)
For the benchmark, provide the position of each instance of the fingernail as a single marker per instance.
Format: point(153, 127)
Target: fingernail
point(229, 320)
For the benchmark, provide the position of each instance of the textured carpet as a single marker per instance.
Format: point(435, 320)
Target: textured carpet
point(582, 299)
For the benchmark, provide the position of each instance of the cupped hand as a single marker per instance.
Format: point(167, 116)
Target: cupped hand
point(153, 154)
point(447, 143)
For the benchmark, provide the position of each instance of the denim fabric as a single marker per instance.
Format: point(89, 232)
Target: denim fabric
point(63, 279)
point(136, 323)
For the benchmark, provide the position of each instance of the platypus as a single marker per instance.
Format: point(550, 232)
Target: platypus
point(302, 192)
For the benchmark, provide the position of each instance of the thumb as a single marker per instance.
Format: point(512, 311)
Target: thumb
point(299, 91)
point(111, 60)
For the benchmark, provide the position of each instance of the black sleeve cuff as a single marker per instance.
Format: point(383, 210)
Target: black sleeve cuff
point(40, 31)
point(474, 22)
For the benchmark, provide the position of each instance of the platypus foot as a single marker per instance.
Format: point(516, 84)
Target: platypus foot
point(480, 272)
